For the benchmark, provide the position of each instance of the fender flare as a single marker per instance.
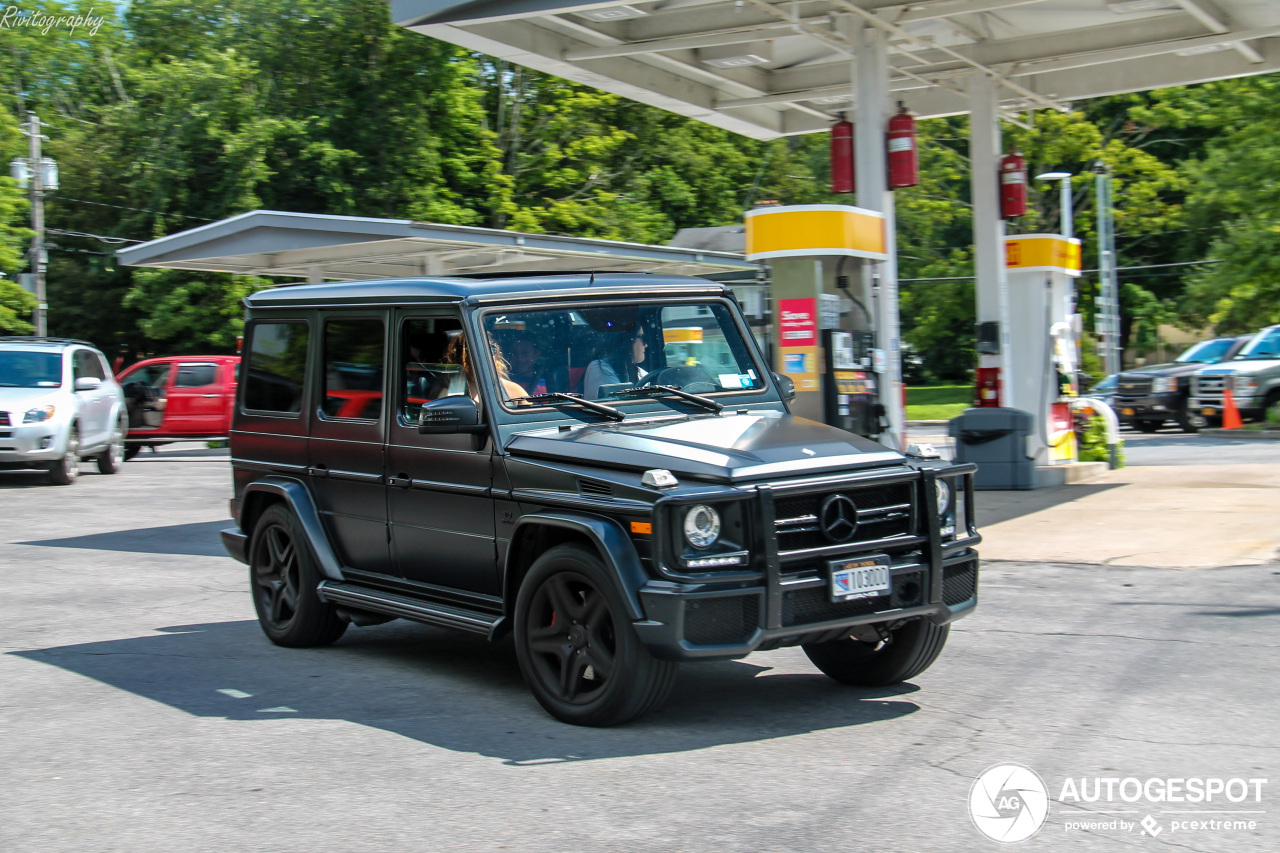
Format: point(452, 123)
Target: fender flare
point(296, 496)
point(611, 541)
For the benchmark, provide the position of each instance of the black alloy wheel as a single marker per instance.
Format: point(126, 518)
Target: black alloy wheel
point(284, 580)
point(909, 651)
point(576, 647)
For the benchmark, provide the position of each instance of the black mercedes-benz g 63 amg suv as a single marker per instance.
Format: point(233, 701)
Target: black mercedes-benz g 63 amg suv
point(602, 466)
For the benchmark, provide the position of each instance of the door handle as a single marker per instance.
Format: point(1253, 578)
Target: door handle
point(404, 481)
point(318, 471)
point(210, 395)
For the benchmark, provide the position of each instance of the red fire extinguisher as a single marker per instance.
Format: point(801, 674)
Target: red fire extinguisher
point(842, 179)
point(904, 163)
point(987, 388)
point(1013, 185)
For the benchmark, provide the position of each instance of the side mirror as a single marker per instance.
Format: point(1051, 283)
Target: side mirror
point(457, 414)
point(88, 383)
point(786, 386)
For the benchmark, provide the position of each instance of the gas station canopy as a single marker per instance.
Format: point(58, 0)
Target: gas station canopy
point(351, 248)
point(768, 69)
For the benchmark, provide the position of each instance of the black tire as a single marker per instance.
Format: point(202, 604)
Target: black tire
point(1271, 400)
point(913, 648)
point(1148, 426)
point(1189, 421)
point(283, 579)
point(131, 450)
point(111, 459)
point(66, 470)
point(571, 627)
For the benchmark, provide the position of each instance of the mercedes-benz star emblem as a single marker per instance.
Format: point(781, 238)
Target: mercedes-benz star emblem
point(838, 518)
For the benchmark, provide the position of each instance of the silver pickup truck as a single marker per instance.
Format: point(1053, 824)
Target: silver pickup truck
point(1253, 377)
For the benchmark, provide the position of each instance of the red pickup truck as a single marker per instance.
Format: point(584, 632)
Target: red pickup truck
point(179, 398)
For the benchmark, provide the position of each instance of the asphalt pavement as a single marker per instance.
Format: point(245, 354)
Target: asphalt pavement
point(142, 709)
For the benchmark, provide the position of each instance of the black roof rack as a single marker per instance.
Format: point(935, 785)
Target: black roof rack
point(35, 339)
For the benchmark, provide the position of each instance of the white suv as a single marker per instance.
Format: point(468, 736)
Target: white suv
point(59, 404)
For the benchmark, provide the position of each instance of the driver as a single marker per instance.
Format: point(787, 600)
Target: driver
point(618, 363)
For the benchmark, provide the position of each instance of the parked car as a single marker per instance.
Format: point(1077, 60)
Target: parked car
point(180, 398)
point(1253, 375)
point(621, 511)
point(1148, 397)
point(1105, 390)
point(58, 405)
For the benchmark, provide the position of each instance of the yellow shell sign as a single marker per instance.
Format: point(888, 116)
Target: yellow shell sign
point(1042, 253)
point(808, 230)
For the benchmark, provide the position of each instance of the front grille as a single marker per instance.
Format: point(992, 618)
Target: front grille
point(1133, 386)
point(814, 604)
point(718, 621)
point(1210, 386)
point(959, 582)
point(4, 419)
point(883, 511)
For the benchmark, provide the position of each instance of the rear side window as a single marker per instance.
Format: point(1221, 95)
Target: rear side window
point(277, 366)
point(87, 364)
point(354, 352)
point(195, 375)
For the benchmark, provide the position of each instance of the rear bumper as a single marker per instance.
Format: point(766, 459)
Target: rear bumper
point(236, 544)
point(697, 623)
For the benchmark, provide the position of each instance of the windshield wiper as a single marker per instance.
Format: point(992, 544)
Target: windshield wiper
point(653, 390)
point(557, 397)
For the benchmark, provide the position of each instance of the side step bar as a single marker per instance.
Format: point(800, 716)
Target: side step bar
point(380, 601)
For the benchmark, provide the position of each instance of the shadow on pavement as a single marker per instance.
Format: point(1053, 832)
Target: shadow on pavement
point(197, 539)
point(456, 692)
point(997, 506)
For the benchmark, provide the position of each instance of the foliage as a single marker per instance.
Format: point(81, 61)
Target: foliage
point(175, 113)
point(16, 306)
point(1092, 443)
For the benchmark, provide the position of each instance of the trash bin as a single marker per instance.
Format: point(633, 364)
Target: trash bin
point(996, 439)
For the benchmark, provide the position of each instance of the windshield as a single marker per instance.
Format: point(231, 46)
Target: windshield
point(30, 369)
point(1205, 352)
point(1265, 344)
point(603, 352)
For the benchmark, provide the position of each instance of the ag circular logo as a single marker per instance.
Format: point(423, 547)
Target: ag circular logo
point(1008, 803)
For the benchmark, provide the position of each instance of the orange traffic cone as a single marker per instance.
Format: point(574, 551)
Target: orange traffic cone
point(1230, 414)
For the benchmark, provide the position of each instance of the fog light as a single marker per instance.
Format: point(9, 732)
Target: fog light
point(717, 562)
point(46, 442)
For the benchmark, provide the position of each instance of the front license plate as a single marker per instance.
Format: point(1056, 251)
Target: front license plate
point(1208, 412)
point(863, 577)
point(1126, 411)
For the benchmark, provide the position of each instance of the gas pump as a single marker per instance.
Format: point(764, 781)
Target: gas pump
point(849, 385)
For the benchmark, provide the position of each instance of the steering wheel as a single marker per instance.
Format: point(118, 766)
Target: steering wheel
point(695, 380)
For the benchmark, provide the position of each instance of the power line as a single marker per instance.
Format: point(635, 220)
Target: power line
point(138, 209)
point(115, 241)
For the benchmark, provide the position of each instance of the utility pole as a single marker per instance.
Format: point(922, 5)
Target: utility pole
point(39, 257)
point(1107, 322)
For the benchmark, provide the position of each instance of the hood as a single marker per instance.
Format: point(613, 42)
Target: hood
point(1172, 368)
point(1244, 366)
point(21, 399)
point(727, 448)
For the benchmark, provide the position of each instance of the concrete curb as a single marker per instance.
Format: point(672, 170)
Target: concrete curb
point(915, 424)
point(1262, 434)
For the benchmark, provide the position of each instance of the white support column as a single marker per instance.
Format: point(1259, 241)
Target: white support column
point(871, 115)
point(992, 284)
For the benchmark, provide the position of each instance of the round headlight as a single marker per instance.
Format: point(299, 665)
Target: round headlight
point(943, 493)
point(702, 526)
